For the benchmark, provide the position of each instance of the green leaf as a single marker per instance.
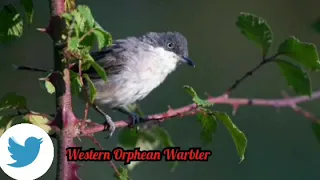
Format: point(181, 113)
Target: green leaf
point(12, 101)
point(316, 130)
point(92, 89)
point(237, 135)
point(39, 120)
point(166, 141)
point(296, 77)
point(28, 7)
point(86, 14)
point(255, 29)
point(102, 37)
point(209, 126)
point(124, 174)
point(86, 57)
point(50, 87)
point(128, 137)
point(11, 26)
point(163, 136)
point(75, 83)
point(5, 123)
point(73, 43)
point(195, 97)
point(304, 53)
point(101, 72)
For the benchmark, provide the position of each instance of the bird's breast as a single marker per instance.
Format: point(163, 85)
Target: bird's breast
point(139, 77)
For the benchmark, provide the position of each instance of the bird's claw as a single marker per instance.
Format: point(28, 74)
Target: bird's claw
point(110, 126)
point(135, 119)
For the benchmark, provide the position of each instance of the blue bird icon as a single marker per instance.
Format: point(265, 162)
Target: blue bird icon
point(24, 155)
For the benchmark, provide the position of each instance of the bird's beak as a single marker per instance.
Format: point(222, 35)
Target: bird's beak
point(188, 61)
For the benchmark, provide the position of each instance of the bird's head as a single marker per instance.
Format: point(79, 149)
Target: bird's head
point(173, 42)
point(33, 141)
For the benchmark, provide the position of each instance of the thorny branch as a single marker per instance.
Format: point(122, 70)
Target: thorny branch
point(234, 102)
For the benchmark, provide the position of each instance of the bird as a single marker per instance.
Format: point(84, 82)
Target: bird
point(135, 66)
point(24, 155)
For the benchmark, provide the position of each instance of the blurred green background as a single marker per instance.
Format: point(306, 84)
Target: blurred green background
point(281, 144)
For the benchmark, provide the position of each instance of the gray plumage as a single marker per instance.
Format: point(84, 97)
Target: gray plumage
point(137, 65)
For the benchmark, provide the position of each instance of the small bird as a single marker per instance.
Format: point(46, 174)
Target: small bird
point(24, 155)
point(135, 66)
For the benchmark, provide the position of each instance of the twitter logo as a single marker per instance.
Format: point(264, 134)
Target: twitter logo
point(26, 152)
point(24, 155)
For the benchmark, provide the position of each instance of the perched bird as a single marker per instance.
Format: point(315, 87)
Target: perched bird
point(135, 66)
point(24, 155)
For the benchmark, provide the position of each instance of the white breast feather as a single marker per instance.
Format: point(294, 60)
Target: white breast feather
point(140, 77)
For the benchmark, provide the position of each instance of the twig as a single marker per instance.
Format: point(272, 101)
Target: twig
point(28, 68)
point(250, 73)
point(94, 140)
point(234, 102)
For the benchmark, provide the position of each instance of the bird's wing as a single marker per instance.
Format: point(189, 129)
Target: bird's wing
point(111, 58)
point(16, 149)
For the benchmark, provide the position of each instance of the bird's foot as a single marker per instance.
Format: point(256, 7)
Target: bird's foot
point(135, 119)
point(109, 125)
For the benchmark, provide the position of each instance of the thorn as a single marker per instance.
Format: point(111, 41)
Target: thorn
point(44, 30)
point(235, 108)
point(285, 94)
point(208, 95)
point(79, 138)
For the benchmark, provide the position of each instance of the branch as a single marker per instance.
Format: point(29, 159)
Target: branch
point(65, 118)
point(234, 102)
point(250, 73)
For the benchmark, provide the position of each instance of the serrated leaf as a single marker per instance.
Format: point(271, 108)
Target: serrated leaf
point(163, 136)
point(165, 141)
point(255, 29)
point(50, 87)
point(296, 77)
point(316, 130)
point(128, 137)
point(101, 72)
point(11, 26)
point(304, 53)
point(146, 142)
point(85, 61)
point(73, 43)
point(209, 126)
point(237, 135)
point(67, 16)
point(200, 102)
point(86, 13)
point(100, 36)
point(88, 40)
point(103, 38)
point(39, 120)
point(5, 123)
point(123, 174)
point(12, 101)
point(28, 7)
point(75, 83)
point(92, 89)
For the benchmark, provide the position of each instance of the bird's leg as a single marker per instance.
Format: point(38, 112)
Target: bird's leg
point(108, 120)
point(136, 119)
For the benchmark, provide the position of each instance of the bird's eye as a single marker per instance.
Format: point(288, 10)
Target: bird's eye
point(170, 45)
